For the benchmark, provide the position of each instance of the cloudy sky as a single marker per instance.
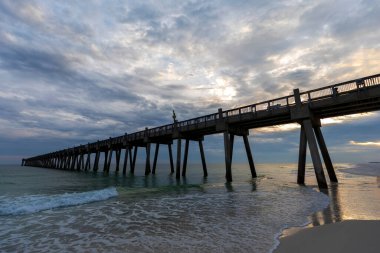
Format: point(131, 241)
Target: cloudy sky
point(72, 72)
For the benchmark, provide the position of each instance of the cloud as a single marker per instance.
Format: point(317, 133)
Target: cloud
point(268, 140)
point(85, 70)
point(366, 143)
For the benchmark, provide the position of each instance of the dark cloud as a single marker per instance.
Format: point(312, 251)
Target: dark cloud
point(298, 78)
point(36, 62)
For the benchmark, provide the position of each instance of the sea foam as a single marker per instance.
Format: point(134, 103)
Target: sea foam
point(35, 203)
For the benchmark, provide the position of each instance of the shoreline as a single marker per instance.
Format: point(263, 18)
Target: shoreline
point(344, 236)
point(328, 230)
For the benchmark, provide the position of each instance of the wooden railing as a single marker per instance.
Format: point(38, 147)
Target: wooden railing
point(208, 120)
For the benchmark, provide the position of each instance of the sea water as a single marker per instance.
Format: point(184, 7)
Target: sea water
point(47, 210)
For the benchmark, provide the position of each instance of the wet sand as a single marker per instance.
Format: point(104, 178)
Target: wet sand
point(346, 236)
point(351, 223)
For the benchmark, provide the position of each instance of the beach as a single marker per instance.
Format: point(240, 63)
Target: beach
point(346, 236)
point(340, 235)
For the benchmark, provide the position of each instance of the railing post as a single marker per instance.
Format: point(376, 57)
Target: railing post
point(297, 97)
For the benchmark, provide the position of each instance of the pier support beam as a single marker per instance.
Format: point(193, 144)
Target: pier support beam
point(249, 156)
point(147, 162)
point(73, 160)
point(67, 162)
point(130, 158)
point(155, 158)
point(325, 154)
point(302, 157)
point(80, 162)
point(311, 135)
point(96, 161)
point(171, 158)
point(205, 173)
point(318, 169)
point(64, 161)
point(134, 160)
point(88, 162)
point(178, 166)
point(232, 138)
point(109, 161)
point(60, 163)
point(185, 155)
point(105, 160)
point(117, 154)
point(227, 154)
point(125, 160)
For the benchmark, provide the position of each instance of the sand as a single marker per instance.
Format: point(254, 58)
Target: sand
point(348, 236)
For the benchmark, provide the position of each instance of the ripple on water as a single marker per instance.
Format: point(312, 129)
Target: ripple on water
point(211, 221)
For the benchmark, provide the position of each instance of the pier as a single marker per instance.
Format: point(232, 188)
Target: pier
point(306, 108)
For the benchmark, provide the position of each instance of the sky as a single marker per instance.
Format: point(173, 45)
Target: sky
point(73, 72)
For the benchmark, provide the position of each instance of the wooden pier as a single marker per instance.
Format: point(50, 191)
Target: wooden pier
point(306, 108)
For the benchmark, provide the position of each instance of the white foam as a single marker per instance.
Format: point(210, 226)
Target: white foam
point(35, 203)
point(322, 203)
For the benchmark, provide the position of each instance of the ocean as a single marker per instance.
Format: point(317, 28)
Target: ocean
point(48, 210)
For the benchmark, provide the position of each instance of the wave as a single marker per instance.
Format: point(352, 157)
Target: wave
point(36, 203)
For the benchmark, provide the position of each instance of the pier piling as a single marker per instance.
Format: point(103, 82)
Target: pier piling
point(117, 155)
point(185, 157)
point(125, 160)
point(325, 154)
point(302, 157)
point(147, 162)
point(205, 173)
point(227, 154)
point(178, 165)
point(318, 169)
point(171, 158)
point(249, 156)
point(155, 158)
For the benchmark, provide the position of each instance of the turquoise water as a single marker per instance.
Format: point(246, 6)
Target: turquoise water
point(54, 210)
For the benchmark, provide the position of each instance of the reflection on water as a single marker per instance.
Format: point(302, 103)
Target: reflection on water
point(229, 187)
point(355, 197)
point(331, 214)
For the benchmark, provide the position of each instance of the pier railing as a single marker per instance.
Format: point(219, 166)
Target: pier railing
point(310, 96)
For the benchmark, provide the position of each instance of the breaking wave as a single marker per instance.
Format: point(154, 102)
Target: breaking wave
point(36, 203)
